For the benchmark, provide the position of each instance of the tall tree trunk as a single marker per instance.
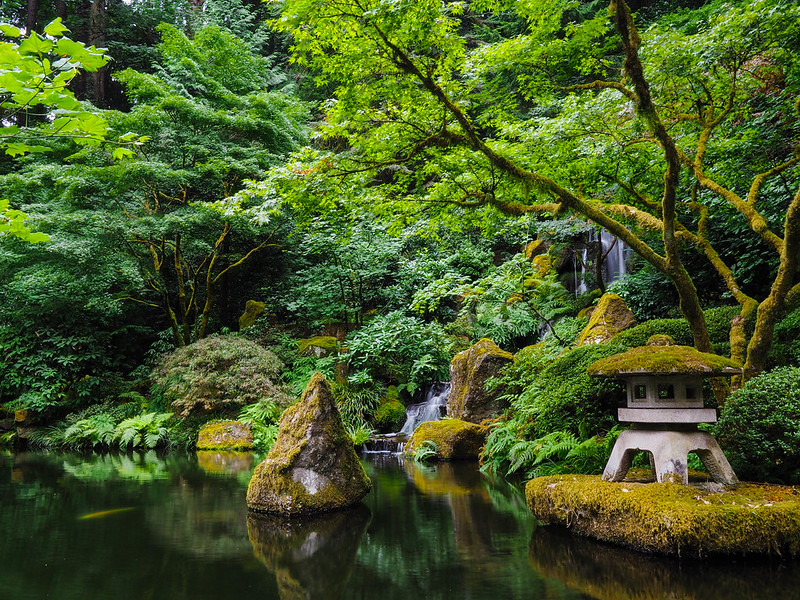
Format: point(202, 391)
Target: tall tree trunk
point(30, 16)
point(97, 37)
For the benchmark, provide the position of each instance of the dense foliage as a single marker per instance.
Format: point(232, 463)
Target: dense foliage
point(400, 178)
point(758, 427)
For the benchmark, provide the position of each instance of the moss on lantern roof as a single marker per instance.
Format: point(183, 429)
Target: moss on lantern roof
point(659, 357)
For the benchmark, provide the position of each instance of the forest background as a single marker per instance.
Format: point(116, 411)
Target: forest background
point(386, 183)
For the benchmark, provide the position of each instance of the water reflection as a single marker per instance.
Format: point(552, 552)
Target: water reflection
point(609, 573)
point(312, 557)
point(225, 462)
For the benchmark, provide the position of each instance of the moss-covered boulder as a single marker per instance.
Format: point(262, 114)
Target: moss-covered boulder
point(225, 435)
point(312, 467)
point(454, 439)
point(469, 370)
point(252, 309)
point(319, 346)
point(610, 317)
point(667, 518)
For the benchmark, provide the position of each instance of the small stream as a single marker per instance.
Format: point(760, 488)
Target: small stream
point(175, 526)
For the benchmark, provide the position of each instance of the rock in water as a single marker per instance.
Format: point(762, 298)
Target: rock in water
point(312, 467)
point(469, 370)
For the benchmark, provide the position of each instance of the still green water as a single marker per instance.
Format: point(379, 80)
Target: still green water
point(175, 526)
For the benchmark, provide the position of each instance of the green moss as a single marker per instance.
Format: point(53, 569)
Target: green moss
point(671, 518)
point(610, 316)
point(454, 438)
point(252, 309)
point(225, 435)
point(327, 342)
point(663, 360)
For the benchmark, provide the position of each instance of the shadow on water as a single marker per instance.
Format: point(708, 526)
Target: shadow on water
point(311, 557)
point(609, 573)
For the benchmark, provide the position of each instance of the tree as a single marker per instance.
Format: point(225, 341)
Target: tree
point(35, 73)
point(574, 115)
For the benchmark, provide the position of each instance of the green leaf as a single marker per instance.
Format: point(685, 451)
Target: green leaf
point(10, 30)
point(35, 44)
point(55, 28)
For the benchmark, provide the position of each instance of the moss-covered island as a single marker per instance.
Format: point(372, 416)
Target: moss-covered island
point(312, 467)
point(699, 520)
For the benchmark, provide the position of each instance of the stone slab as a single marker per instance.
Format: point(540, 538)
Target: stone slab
point(667, 415)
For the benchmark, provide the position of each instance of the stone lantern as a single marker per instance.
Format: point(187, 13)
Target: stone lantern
point(665, 404)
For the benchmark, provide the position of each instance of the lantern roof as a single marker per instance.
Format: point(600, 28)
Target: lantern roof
point(662, 357)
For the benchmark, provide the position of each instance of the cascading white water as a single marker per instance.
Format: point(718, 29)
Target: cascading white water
point(429, 410)
point(613, 262)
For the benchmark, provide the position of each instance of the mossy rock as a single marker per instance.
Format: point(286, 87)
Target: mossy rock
point(312, 467)
point(673, 519)
point(252, 309)
point(454, 438)
point(319, 346)
point(469, 370)
point(225, 435)
point(610, 317)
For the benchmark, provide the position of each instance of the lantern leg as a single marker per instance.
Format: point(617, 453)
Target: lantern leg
point(669, 452)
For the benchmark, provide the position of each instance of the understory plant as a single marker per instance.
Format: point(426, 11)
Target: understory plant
point(263, 419)
point(758, 427)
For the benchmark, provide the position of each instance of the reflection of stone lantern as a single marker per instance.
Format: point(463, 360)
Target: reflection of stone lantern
point(665, 404)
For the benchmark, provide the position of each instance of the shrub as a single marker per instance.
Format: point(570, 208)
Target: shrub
point(390, 416)
point(399, 349)
point(219, 374)
point(758, 427)
point(558, 396)
point(786, 347)
point(677, 329)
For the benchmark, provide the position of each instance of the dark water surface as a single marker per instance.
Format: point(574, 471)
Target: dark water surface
point(151, 527)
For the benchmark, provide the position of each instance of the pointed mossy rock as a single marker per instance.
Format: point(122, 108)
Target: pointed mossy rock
point(469, 370)
point(454, 439)
point(225, 435)
point(312, 467)
point(610, 316)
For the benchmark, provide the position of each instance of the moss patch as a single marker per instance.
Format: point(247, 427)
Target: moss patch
point(610, 317)
point(663, 360)
point(225, 435)
point(319, 345)
point(456, 439)
point(670, 518)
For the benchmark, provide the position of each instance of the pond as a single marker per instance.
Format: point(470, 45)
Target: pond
point(174, 526)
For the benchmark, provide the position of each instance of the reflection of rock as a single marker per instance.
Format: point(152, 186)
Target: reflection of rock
point(469, 370)
point(455, 439)
point(311, 556)
point(228, 463)
point(312, 467)
point(610, 317)
point(225, 435)
point(610, 573)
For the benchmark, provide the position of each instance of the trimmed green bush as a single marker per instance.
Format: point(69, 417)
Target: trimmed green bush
point(759, 428)
point(219, 374)
point(677, 329)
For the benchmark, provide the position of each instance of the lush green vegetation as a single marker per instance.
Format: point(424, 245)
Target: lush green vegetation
point(387, 182)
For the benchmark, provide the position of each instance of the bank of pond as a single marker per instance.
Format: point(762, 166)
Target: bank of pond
point(150, 525)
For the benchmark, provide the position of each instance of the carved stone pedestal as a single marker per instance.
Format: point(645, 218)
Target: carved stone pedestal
point(669, 451)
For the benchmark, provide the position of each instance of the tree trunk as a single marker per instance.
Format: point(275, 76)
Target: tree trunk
point(30, 16)
point(97, 37)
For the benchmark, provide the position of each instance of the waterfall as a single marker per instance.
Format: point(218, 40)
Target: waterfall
point(430, 410)
point(613, 265)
